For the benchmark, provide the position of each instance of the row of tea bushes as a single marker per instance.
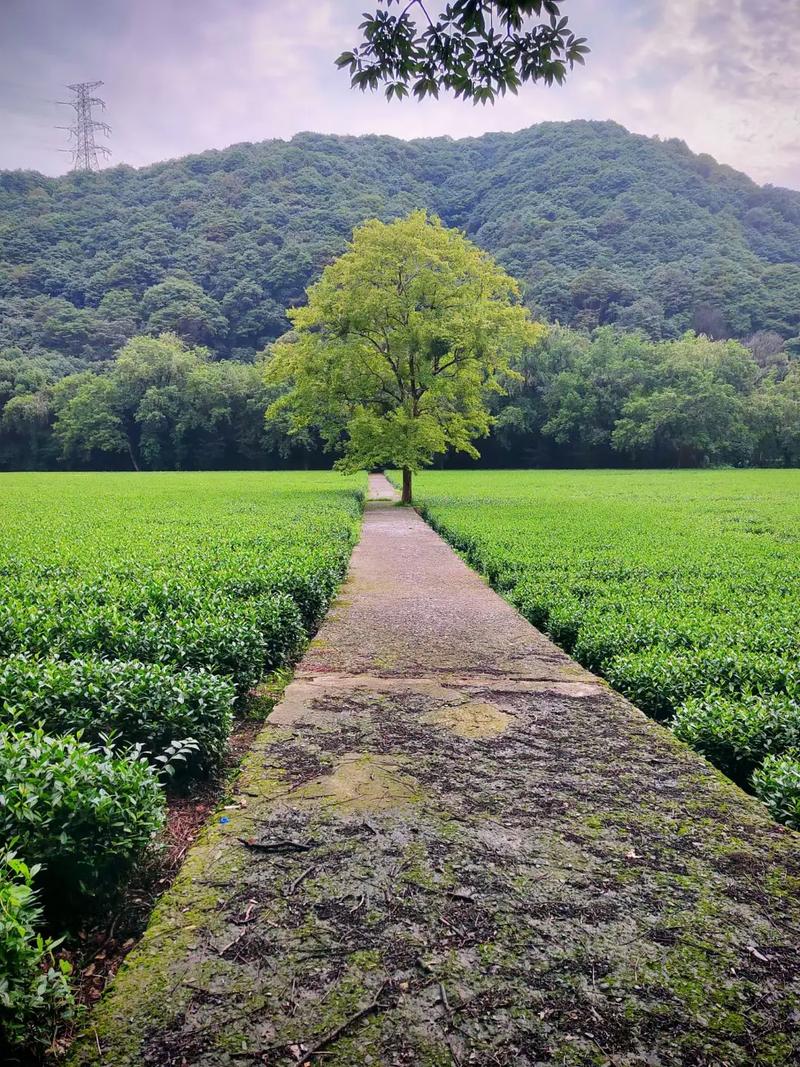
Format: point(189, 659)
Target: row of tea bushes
point(681, 588)
point(136, 615)
point(34, 988)
point(120, 703)
point(77, 812)
point(736, 733)
point(74, 820)
point(777, 783)
point(243, 638)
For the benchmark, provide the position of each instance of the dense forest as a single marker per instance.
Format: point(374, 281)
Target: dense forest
point(627, 242)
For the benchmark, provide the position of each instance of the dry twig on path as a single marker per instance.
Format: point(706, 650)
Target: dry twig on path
point(334, 1035)
point(281, 845)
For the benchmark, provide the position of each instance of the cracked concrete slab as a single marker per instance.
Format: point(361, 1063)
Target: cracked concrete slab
point(453, 845)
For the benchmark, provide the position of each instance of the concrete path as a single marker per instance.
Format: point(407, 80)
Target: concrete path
point(453, 845)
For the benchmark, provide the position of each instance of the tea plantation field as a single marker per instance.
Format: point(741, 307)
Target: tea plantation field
point(136, 613)
point(681, 588)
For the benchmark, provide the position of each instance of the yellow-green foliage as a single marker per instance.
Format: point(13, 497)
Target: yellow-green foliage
point(400, 341)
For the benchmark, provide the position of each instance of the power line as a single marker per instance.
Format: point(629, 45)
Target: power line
point(84, 149)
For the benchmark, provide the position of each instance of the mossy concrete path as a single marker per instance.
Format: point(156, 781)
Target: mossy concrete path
point(452, 845)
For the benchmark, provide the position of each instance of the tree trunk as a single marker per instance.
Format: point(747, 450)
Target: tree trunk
point(133, 457)
point(406, 495)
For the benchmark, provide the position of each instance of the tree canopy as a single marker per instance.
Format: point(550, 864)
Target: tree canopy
point(613, 398)
point(619, 398)
point(400, 341)
point(162, 404)
point(600, 226)
point(476, 48)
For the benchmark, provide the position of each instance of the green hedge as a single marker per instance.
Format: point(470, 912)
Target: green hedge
point(241, 638)
point(736, 733)
point(126, 702)
point(85, 815)
point(34, 990)
point(659, 680)
point(777, 783)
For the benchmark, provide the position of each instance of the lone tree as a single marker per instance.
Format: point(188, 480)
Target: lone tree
point(401, 340)
point(476, 48)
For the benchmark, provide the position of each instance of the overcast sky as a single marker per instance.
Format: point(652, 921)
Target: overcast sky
point(185, 75)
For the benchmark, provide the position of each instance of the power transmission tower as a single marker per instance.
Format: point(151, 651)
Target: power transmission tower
point(84, 150)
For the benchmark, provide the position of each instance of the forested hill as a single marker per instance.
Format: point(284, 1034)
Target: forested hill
point(600, 225)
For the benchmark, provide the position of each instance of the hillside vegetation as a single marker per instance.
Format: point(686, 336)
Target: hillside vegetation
point(599, 224)
point(603, 228)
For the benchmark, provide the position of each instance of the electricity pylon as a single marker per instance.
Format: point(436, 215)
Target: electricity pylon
point(84, 150)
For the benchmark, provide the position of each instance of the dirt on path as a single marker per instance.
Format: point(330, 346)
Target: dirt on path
point(453, 845)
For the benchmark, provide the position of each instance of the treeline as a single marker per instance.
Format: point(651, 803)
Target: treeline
point(610, 399)
point(161, 405)
point(618, 398)
point(602, 227)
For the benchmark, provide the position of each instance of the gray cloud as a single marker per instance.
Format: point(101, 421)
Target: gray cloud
point(185, 75)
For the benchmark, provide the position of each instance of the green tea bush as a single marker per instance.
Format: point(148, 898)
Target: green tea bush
point(122, 702)
point(564, 621)
point(311, 589)
point(309, 580)
point(244, 639)
point(134, 612)
point(659, 679)
point(610, 629)
point(736, 733)
point(241, 638)
point(226, 572)
point(82, 813)
point(34, 989)
point(777, 783)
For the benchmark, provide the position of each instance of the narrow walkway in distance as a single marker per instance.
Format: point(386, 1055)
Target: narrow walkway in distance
point(453, 845)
